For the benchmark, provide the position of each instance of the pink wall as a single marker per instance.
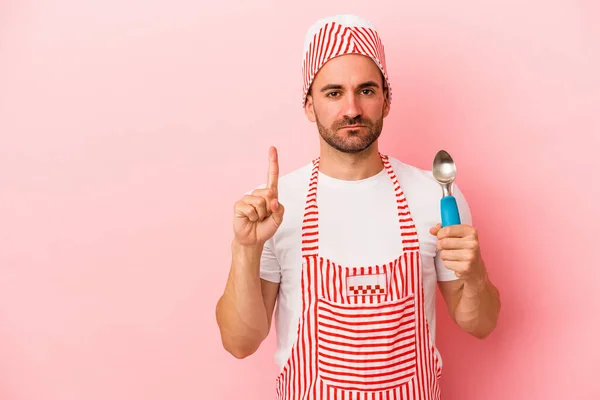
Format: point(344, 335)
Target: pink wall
point(129, 128)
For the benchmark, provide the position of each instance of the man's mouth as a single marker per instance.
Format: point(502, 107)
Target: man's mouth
point(352, 127)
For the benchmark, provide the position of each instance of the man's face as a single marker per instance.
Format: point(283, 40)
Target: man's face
point(348, 103)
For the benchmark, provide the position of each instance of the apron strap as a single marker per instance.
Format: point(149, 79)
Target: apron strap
point(408, 230)
point(310, 221)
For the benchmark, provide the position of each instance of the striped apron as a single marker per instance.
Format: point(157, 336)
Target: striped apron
point(362, 333)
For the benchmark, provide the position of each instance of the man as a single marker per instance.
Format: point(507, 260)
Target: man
point(353, 269)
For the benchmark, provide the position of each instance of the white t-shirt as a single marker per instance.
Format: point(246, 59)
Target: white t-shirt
point(358, 225)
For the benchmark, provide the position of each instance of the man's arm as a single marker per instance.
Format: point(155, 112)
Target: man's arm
point(245, 309)
point(473, 301)
point(474, 307)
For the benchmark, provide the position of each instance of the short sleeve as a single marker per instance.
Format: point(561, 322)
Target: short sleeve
point(443, 273)
point(270, 270)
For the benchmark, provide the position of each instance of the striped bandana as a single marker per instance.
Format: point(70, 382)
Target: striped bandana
point(338, 35)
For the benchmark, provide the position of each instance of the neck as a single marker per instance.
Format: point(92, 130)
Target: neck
point(350, 166)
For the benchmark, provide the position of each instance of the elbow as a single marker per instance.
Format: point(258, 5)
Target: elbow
point(482, 335)
point(482, 332)
point(239, 350)
point(477, 332)
point(487, 323)
point(239, 345)
point(240, 354)
point(479, 328)
point(238, 339)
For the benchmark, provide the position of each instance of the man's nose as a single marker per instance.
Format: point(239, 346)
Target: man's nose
point(352, 107)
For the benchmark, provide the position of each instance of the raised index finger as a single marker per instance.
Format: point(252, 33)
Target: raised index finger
point(273, 177)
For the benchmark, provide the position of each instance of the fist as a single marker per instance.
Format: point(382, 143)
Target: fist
point(257, 216)
point(459, 249)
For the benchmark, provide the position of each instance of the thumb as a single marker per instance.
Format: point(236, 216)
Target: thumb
point(434, 231)
point(278, 210)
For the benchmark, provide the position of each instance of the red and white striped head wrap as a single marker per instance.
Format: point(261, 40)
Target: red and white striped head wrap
point(338, 35)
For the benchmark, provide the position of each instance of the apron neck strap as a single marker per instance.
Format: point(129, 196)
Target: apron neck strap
point(310, 221)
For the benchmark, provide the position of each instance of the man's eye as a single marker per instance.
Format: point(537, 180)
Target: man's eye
point(333, 94)
point(367, 91)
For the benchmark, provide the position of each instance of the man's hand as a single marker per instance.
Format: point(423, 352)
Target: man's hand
point(257, 216)
point(473, 301)
point(459, 249)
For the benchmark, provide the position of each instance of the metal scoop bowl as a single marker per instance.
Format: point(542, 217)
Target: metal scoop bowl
point(444, 172)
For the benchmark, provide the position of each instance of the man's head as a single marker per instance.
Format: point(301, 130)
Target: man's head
point(346, 90)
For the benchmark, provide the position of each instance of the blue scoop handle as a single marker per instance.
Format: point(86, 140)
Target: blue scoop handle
point(449, 211)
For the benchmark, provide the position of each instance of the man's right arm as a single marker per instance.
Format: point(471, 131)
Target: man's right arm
point(245, 309)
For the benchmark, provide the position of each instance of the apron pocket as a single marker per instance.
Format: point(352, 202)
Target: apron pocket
point(366, 347)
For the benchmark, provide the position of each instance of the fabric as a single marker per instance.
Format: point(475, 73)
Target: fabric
point(362, 330)
point(358, 227)
point(338, 35)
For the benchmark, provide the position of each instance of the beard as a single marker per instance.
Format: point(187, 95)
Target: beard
point(351, 140)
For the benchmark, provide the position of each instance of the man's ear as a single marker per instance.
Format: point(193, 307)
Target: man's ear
point(309, 109)
point(386, 103)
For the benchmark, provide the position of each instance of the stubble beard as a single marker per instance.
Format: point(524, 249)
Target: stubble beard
point(354, 140)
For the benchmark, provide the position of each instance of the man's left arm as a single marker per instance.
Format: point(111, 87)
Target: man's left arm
point(472, 300)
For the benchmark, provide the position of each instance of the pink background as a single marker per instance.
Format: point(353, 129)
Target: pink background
point(129, 128)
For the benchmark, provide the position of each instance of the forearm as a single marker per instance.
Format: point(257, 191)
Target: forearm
point(241, 313)
point(478, 308)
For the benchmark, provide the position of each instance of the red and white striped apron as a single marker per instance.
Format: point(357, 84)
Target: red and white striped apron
point(362, 334)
